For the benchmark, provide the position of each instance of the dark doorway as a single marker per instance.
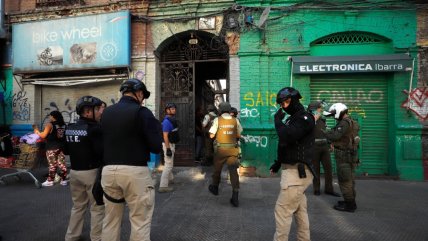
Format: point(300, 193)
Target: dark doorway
point(192, 63)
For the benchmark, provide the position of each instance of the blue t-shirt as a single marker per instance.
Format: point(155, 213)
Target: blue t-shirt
point(167, 125)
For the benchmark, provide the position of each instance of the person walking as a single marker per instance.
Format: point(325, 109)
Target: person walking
point(170, 138)
point(206, 124)
point(321, 152)
point(84, 145)
point(341, 137)
point(55, 143)
point(130, 134)
point(295, 152)
point(226, 130)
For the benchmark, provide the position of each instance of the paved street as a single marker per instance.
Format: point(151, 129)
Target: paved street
point(387, 210)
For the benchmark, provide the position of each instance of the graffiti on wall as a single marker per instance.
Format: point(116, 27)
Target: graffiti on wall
point(20, 106)
point(259, 141)
point(417, 102)
point(67, 110)
point(253, 100)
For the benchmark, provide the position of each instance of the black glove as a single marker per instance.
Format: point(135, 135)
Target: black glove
point(275, 167)
point(168, 152)
point(279, 116)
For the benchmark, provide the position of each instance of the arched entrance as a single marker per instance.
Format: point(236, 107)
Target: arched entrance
point(194, 72)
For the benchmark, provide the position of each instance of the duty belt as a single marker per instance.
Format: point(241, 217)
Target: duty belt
point(227, 145)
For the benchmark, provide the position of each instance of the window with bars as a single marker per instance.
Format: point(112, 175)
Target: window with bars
point(58, 3)
point(350, 38)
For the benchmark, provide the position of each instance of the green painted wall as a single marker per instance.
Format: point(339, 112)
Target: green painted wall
point(7, 89)
point(290, 31)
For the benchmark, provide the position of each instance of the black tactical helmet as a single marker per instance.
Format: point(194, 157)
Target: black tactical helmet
point(87, 100)
point(287, 92)
point(234, 110)
point(170, 105)
point(224, 107)
point(133, 85)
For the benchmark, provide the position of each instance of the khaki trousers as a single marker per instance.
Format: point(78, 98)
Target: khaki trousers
point(81, 183)
point(168, 165)
point(292, 202)
point(135, 184)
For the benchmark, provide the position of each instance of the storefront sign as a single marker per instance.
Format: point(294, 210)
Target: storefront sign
point(351, 64)
point(87, 42)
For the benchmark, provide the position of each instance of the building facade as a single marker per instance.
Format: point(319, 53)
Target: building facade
point(371, 57)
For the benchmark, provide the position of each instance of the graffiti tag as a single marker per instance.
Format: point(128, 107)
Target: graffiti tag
point(417, 102)
point(260, 141)
point(20, 106)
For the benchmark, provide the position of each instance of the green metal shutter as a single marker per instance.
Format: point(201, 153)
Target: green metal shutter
point(367, 99)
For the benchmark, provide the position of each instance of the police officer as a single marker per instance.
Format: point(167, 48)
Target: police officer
point(295, 152)
point(321, 151)
point(206, 124)
point(226, 130)
point(84, 145)
point(341, 136)
point(131, 133)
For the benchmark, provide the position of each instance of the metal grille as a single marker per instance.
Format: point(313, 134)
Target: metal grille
point(58, 3)
point(350, 38)
point(367, 101)
point(203, 50)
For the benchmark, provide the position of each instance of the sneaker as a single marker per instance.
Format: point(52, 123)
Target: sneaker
point(165, 189)
point(64, 182)
point(48, 183)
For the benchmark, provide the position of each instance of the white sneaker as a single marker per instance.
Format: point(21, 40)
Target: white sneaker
point(64, 182)
point(48, 183)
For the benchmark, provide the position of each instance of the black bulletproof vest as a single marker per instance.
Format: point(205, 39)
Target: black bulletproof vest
point(124, 143)
point(299, 151)
point(80, 146)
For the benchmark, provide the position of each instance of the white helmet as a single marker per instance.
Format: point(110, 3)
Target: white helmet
point(336, 109)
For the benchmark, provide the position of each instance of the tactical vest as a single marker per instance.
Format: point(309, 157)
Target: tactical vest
point(227, 131)
point(344, 142)
point(301, 150)
point(123, 142)
point(56, 139)
point(80, 146)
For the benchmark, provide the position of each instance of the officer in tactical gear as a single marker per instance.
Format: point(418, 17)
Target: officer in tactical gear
point(295, 152)
point(226, 130)
point(170, 138)
point(341, 136)
point(84, 145)
point(131, 133)
point(206, 124)
point(321, 151)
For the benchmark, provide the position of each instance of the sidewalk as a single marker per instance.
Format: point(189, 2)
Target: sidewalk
point(387, 210)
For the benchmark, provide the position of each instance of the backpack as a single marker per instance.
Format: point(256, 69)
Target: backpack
point(355, 140)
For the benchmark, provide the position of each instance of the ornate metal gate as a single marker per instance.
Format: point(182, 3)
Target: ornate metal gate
point(177, 87)
point(178, 57)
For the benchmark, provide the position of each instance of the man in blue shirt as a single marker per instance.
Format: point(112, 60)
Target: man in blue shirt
point(170, 137)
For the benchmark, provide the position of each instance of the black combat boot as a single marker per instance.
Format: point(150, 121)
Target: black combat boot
point(234, 200)
point(346, 206)
point(342, 203)
point(213, 189)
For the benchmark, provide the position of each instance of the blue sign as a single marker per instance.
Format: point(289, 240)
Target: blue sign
point(75, 43)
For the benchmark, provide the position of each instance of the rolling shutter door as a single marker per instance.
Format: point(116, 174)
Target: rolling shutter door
point(367, 99)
